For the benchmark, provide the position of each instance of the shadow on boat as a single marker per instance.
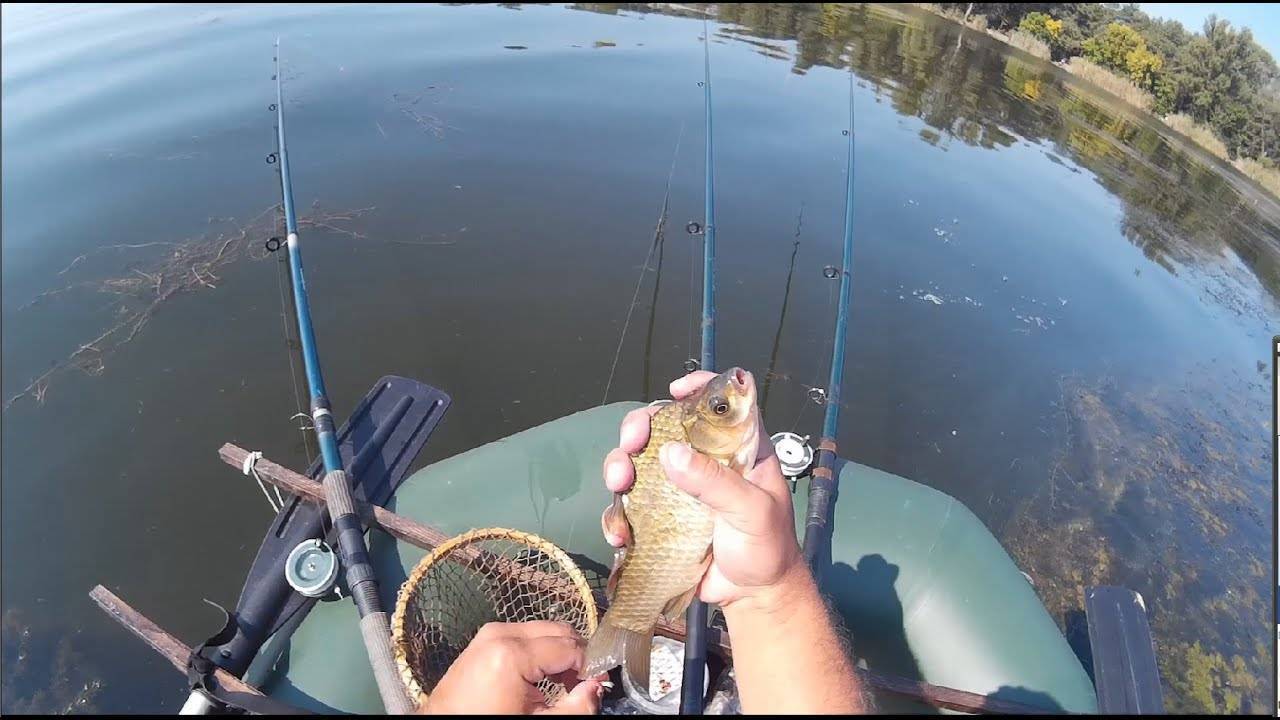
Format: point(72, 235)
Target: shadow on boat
point(881, 638)
point(1025, 696)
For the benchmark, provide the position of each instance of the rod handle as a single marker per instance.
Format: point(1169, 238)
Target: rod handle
point(361, 581)
point(376, 630)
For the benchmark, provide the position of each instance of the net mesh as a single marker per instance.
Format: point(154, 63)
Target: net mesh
point(482, 576)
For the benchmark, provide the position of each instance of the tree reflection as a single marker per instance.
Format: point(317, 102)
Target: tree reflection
point(1188, 213)
point(966, 87)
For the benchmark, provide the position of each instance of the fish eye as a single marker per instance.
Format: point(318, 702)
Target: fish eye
point(721, 407)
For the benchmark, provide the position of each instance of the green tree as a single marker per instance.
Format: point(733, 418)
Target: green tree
point(1042, 26)
point(1220, 76)
point(1123, 49)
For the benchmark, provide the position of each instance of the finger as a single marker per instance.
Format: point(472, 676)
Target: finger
point(546, 656)
point(691, 383)
point(634, 433)
point(724, 490)
point(583, 699)
point(765, 450)
point(767, 475)
point(619, 470)
point(526, 630)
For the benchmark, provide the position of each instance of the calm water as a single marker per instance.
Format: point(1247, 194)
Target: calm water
point(1061, 315)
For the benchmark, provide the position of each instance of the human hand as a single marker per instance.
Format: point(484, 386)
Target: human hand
point(753, 544)
point(499, 671)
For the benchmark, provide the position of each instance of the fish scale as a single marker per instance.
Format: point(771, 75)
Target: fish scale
point(667, 531)
point(672, 531)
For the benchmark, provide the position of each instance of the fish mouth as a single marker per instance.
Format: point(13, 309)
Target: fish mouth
point(742, 382)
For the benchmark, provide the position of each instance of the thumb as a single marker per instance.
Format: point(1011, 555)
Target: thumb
point(724, 490)
point(583, 699)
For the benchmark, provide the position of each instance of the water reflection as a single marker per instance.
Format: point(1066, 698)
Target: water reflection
point(994, 186)
point(1140, 479)
point(1177, 211)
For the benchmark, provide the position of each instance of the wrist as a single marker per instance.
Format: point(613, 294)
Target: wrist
point(778, 599)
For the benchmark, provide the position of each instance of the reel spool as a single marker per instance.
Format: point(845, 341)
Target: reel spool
point(311, 568)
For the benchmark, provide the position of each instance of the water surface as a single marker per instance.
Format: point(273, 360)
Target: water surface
point(1061, 313)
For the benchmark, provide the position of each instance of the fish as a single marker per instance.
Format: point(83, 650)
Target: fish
point(668, 531)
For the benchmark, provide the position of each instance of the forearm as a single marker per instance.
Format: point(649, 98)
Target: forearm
point(787, 656)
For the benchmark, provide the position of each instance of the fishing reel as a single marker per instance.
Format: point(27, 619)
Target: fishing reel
point(794, 454)
point(312, 568)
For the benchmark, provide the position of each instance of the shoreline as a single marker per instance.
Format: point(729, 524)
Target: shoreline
point(1191, 132)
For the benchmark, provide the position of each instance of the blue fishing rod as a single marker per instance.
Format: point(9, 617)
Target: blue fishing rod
point(824, 485)
point(695, 620)
point(354, 555)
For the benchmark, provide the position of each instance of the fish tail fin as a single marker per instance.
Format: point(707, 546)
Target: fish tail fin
point(611, 646)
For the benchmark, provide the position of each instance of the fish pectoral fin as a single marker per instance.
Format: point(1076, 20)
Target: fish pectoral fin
point(675, 607)
point(615, 521)
point(615, 574)
point(616, 524)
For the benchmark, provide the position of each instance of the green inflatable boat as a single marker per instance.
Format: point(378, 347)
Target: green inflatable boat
point(925, 590)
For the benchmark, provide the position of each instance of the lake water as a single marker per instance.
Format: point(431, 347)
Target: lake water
point(1061, 314)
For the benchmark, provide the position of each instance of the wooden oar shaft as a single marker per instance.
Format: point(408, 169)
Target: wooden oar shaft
point(169, 647)
point(428, 538)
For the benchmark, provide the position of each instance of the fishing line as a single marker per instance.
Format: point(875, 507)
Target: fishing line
point(782, 316)
point(657, 238)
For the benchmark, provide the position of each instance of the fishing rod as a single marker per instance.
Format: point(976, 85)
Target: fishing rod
point(695, 620)
point(354, 555)
point(824, 485)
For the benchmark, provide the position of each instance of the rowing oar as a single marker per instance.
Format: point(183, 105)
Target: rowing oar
point(361, 581)
point(695, 619)
point(824, 486)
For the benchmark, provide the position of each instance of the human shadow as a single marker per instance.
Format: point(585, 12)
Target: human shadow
point(872, 614)
point(1026, 697)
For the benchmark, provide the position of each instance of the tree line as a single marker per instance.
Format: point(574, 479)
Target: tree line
point(1219, 76)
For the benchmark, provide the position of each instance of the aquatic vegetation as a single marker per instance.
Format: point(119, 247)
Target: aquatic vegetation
point(1122, 88)
point(410, 105)
point(1213, 684)
point(41, 676)
point(1153, 492)
point(1202, 135)
point(141, 289)
point(1028, 43)
point(1268, 176)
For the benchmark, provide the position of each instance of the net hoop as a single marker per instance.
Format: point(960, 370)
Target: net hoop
point(466, 551)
